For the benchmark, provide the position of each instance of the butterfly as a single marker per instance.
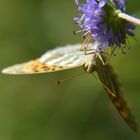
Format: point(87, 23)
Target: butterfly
point(71, 56)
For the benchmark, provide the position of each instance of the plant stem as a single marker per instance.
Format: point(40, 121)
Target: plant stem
point(129, 18)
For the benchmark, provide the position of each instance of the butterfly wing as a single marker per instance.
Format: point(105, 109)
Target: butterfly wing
point(57, 59)
point(112, 88)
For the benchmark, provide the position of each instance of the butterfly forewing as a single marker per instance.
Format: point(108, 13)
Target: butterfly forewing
point(57, 59)
point(112, 88)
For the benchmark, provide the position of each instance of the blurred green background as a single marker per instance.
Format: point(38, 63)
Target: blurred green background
point(33, 107)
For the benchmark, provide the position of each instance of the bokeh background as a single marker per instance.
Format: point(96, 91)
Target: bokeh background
point(33, 107)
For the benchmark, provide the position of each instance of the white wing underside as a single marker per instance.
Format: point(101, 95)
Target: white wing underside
point(69, 56)
point(60, 58)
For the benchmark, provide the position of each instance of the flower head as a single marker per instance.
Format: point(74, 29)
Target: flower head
point(99, 21)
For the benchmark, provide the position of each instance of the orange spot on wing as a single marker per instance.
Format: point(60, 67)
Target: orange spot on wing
point(37, 66)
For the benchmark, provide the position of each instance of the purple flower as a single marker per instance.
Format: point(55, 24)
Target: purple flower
point(99, 22)
point(120, 4)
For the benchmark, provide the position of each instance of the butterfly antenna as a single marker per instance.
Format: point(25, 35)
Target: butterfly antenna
point(68, 78)
point(103, 85)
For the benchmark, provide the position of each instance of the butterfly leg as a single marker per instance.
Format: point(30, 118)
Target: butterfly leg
point(86, 42)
